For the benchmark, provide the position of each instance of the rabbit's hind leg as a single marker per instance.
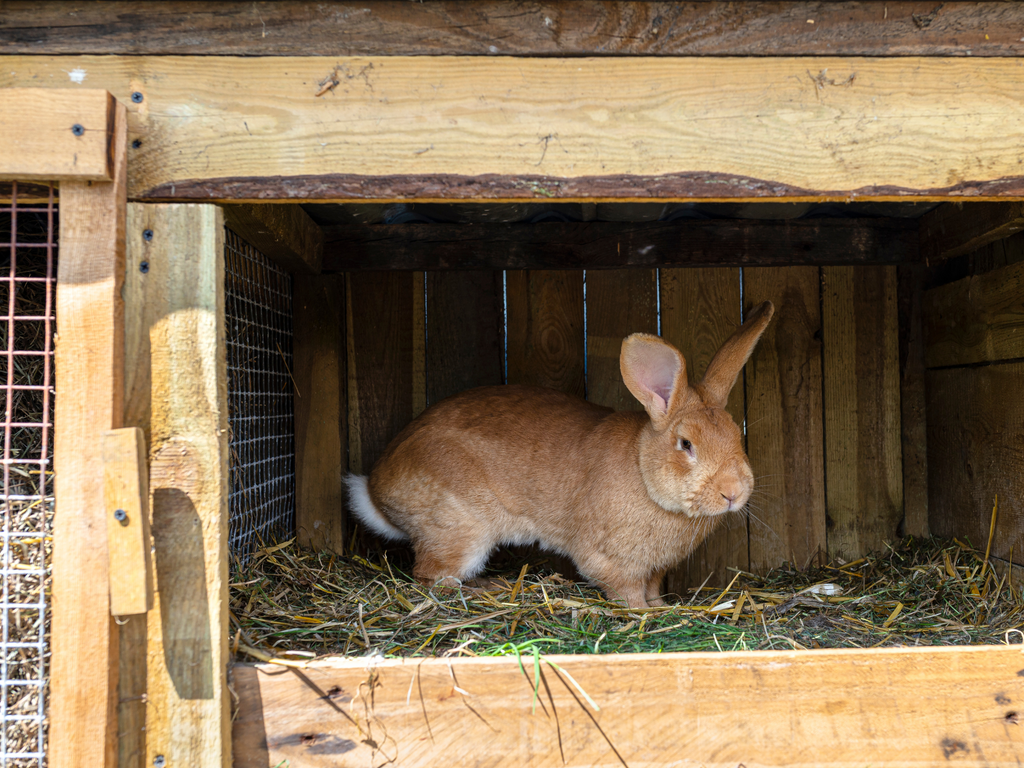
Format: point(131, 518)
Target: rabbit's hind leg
point(456, 558)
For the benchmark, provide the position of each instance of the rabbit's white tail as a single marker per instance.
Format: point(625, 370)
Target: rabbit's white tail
point(361, 503)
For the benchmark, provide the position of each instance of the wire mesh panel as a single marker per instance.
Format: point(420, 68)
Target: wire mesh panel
point(258, 309)
point(28, 260)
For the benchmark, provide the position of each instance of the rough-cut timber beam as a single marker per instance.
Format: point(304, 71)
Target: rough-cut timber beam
point(464, 128)
point(954, 229)
point(48, 134)
point(513, 27)
point(884, 707)
point(284, 233)
point(606, 245)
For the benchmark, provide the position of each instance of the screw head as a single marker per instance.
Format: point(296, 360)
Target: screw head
point(136, 143)
point(159, 761)
point(121, 516)
point(143, 267)
point(77, 129)
point(147, 235)
point(137, 98)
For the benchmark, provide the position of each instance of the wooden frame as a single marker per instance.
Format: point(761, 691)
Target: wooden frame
point(202, 142)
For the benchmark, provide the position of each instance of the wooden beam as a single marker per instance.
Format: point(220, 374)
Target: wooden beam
point(884, 707)
point(975, 320)
point(913, 411)
point(51, 134)
point(504, 128)
point(955, 229)
point(284, 233)
point(178, 394)
point(321, 410)
point(552, 28)
point(89, 361)
point(610, 245)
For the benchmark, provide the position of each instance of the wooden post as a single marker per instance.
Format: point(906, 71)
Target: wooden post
point(177, 392)
point(89, 359)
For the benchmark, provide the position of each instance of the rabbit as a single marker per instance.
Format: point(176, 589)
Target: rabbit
point(626, 495)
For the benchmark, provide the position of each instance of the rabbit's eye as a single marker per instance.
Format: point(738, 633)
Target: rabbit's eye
point(682, 444)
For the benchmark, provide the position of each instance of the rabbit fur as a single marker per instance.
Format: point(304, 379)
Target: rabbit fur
point(626, 495)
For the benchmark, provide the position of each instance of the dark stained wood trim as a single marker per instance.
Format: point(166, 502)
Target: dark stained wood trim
point(285, 233)
point(514, 27)
point(954, 230)
point(697, 185)
point(602, 245)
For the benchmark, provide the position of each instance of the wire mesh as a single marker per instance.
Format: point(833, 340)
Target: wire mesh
point(258, 314)
point(28, 259)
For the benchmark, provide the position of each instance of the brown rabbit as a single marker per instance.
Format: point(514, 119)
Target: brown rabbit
point(625, 495)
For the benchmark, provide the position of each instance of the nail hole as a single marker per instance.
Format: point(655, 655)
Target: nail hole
point(136, 143)
point(1012, 718)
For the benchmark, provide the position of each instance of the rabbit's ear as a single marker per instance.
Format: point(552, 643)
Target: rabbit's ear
point(725, 366)
point(654, 372)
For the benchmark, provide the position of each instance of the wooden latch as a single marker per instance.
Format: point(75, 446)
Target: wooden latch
point(126, 497)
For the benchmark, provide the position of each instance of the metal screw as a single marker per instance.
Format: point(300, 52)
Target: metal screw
point(136, 143)
point(159, 761)
point(147, 234)
point(121, 516)
point(137, 98)
point(143, 267)
point(77, 129)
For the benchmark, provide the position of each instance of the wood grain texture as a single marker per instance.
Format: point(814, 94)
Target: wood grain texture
point(883, 707)
point(452, 127)
point(40, 143)
point(619, 302)
point(321, 410)
point(178, 393)
point(863, 461)
point(785, 443)
point(545, 329)
point(552, 28)
point(381, 347)
point(284, 233)
point(609, 245)
point(976, 450)
point(700, 308)
point(129, 545)
point(89, 360)
point(977, 319)
point(465, 320)
point(913, 402)
point(953, 230)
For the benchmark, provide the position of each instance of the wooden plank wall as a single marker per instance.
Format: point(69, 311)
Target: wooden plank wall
point(974, 348)
point(821, 393)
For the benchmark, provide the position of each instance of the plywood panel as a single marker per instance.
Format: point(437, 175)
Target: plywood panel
point(618, 302)
point(321, 410)
point(465, 320)
point(882, 707)
point(89, 360)
point(784, 420)
point(977, 319)
point(700, 308)
point(545, 329)
point(975, 451)
point(384, 353)
point(249, 128)
point(864, 465)
point(178, 394)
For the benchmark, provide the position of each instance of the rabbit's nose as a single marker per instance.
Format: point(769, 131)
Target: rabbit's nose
point(729, 500)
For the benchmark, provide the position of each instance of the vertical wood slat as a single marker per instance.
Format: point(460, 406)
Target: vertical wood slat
point(784, 419)
point(975, 451)
point(89, 364)
point(321, 439)
point(384, 360)
point(700, 308)
point(864, 467)
point(464, 331)
point(913, 413)
point(178, 395)
point(619, 302)
point(545, 329)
